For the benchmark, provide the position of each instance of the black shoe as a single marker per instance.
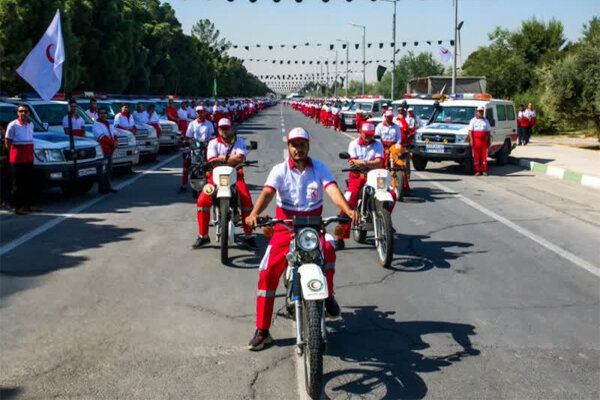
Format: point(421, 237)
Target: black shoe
point(260, 339)
point(200, 241)
point(340, 245)
point(250, 242)
point(333, 309)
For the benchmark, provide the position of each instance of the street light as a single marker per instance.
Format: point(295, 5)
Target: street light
point(459, 54)
point(327, 74)
point(394, 45)
point(364, 28)
point(347, 54)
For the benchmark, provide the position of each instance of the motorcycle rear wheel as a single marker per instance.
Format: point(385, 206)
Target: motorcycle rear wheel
point(312, 312)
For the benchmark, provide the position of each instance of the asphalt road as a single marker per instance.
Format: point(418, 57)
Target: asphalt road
point(494, 292)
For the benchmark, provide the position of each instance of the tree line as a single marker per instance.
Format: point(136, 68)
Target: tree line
point(123, 46)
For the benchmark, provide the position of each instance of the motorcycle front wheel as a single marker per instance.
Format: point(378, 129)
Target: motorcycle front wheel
point(312, 312)
point(224, 229)
point(384, 240)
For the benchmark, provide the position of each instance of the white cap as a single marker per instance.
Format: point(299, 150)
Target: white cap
point(199, 108)
point(388, 113)
point(298, 133)
point(480, 108)
point(410, 109)
point(368, 128)
point(224, 122)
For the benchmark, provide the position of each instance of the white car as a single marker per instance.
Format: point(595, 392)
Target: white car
point(446, 137)
point(53, 159)
point(147, 139)
point(421, 104)
point(169, 131)
point(369, 104)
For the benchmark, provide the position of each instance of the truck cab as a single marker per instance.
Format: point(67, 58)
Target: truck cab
point(445, 138)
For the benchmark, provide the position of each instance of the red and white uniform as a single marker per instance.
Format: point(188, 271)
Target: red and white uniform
point(171, 113)
point(77, 125)
point(335, 117)
point(105, 136)
point(140, 117)
point(531, 116)
point(202, 131)
point(414, 123)
point(126, 122)
point(480, 129)
point(298, 193)
point(404, 130)
point(389, 133)
point(359, 119)
point(359, 150)
point(154, 121)
point(217, 147)
point(523, 119)
point(183, 122)
point(93, 114)
point(21, 135)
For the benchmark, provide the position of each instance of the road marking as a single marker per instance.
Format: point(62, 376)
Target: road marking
point(567, 255)
point(76, 210)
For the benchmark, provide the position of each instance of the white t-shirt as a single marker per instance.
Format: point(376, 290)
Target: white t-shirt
point(92, 114)
point(140, 117)
point(182, 114)
point(479, 125)
point(413, 123)
point(388, 133)
point(154, 118)
point(299, 191)
point(77, 123)
point(371, 152)
point(101, 130)
point(217, 147)
point(124, 122)
point(19, 134)
point(191, 113)
point(202, 131)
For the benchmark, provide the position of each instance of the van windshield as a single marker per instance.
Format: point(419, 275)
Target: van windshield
point(363, 106)
point(454, 115)
point(53, 114)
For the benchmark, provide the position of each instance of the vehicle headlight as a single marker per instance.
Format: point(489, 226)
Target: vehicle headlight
point(308, 239)
point(224, 180)
point(381, 183)
point(460, 138)
point(419, 136)
point(99, 150)
point(50, 155)
point(131, 141)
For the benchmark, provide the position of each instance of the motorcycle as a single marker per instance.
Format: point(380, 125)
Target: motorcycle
point(375, 206)
point(199, 169)
point(307, 290)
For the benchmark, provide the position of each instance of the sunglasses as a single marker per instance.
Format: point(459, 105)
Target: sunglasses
point(23, 111)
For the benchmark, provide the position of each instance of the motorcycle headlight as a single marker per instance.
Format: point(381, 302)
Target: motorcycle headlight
point(224, 180)
point(460, 138)
point(50, 155)
point(381, 183)
point(308, 239)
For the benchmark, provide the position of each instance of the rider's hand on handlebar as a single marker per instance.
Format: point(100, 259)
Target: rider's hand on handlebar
point(355, 216)
point(252, 220)
point(356, 163)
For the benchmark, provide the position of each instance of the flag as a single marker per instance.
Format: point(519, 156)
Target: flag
point(380, 72)
point(445, 54)
point(42, 67)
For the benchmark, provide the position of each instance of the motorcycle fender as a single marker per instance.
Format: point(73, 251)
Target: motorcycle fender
point(313, 282)
point(383, 196)
point(223, 192)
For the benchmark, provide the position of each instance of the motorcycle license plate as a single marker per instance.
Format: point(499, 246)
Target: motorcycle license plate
point(434, 148)
point(86, 172)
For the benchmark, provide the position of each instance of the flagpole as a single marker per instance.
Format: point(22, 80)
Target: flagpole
point(70, 122)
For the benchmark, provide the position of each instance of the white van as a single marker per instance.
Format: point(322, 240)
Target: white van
point(446, 137)
point(369, 104)
point(422, 104)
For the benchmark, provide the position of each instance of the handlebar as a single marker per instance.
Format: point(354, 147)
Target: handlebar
point(268, 221)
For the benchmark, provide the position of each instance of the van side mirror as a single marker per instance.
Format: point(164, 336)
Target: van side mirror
point(344, 156)
point(45, 125)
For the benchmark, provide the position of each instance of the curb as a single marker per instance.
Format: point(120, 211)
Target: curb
point(559, 173)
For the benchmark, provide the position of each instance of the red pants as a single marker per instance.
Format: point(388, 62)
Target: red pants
point(183, 126)
point(274, 264)
point(352, 192)
point(337, 123)
point(479, 149)
point(359, 121)
point(205, 202)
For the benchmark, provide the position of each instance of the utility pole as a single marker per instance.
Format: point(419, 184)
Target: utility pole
point(347, 62)
point(455, 45)
point(364, 45)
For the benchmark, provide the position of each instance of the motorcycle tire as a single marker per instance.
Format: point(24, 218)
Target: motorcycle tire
point(224, 229)
point(382, 221)
point(313, 347)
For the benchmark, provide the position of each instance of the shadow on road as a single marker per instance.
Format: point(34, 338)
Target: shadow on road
point(381, 356)
point(9, 393)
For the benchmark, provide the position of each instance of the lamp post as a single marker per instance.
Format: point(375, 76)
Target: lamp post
point(393, 45)
point(455, 45)
point(364, 28)
point(326, 74)
point(347, 54)
point(336, 75)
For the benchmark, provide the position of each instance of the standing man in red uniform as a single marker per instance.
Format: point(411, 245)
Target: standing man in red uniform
point(300, 184)
point(480, 140)
point(77, 123)
point(231, 150)
point(105, 136)
point(124, 120)
point(19, 146)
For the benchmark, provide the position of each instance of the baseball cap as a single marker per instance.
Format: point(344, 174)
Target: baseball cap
point(368, 128)
point(199, 108)
point(388, 113)
point(298, 133)
point(480, 108)
point(224, 122)
point(410, 109)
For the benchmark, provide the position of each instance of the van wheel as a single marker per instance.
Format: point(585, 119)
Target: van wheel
point(419, 162)
point(502, 156)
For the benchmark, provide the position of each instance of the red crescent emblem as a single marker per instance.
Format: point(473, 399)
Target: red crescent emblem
point(48, 53)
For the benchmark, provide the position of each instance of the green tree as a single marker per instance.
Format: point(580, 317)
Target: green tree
point(206, 32)
point(408, 67)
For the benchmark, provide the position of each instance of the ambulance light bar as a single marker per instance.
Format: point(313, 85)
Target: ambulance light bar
point(420, 96)
point(471, 96)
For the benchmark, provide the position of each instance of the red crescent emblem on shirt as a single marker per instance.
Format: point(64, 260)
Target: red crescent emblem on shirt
point(48, 53)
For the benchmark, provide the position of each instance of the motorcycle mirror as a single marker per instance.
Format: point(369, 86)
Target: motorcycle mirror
point(268, 231)
point(344, 156)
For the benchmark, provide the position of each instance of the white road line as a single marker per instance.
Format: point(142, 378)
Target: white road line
point(76, 210)
point(517, 228)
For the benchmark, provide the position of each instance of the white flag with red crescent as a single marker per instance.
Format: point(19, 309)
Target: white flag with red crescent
point(42, 67)
point(445, 54)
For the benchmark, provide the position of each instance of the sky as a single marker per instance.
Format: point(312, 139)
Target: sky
point(287, 22)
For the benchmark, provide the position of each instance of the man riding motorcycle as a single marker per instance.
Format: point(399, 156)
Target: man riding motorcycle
point(200, 130)
point(393, 142)
point(299, 183)
point(367, 153)
point(229, 149)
